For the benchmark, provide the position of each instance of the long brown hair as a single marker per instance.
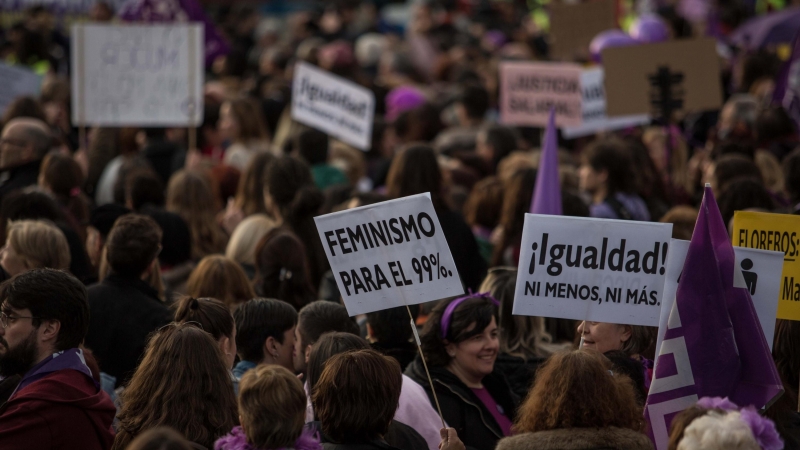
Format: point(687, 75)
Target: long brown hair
point(415, 170)
point(250, 192)
point(189, 195)
point(222, 278)
point(182, 382)
point(282, 269)
point(64, 178)
point(577, 389)
point(250, 120)
point(516, 202)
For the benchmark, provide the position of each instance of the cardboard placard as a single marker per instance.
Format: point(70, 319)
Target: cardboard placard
point(529, 89)
point(594, 109)
point(762, 280)
point(692, 65)
point(776, 232)
point(145, 75)
point(17, 81)
point(592, 269)
point(389, 254)
point(333, 104)
point(573, 26)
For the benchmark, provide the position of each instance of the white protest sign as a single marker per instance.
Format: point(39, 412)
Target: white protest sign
point(761, 276)
point(16, 81)
point(594, 109)
point(592, 269)
point(146, 75)
point(333, 104)
point(389, 254)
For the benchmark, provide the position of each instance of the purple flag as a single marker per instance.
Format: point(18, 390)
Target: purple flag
point(177, 11)
point(787, 85)
point(713, 345)
point(547, 194)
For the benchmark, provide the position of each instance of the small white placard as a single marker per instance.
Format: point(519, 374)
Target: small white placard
point(389, 254)
point(333, 104)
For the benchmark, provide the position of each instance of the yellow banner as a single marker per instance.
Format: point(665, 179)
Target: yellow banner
point(776, 232)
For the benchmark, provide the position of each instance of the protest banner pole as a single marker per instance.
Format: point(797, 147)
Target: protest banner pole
point(82, 137)
point(425, 364)
point(192, 138)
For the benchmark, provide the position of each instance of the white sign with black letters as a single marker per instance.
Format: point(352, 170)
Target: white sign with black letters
point(146, 75)
point(592, 269)
point(757, 270)
point(333, 104)
point(389, 254)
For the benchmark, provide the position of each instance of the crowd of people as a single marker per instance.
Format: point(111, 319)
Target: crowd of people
point(157, 296)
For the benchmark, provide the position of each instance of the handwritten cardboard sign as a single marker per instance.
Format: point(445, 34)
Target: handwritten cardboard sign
point(389, 254)
point(592, 269)
point(146, 75)
point(529, 89)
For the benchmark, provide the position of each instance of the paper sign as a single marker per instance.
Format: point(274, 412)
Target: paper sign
point(528, 91)
point(145, 75)
point(592, 269)
point(573, 26)
point(690, 67)
point(594, 109)
point(17, 81)
point(762, 279)
point(389, 254)
point(333, 104)
point(777, 232)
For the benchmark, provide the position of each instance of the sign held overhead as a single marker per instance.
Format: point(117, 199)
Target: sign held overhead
point(333, 104)
point(573, 26)
point(592, 269)
point(389, 254)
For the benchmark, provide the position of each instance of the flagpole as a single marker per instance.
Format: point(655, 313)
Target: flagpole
point(425, 364)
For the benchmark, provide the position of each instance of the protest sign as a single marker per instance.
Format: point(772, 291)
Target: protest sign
point(683, 73)
point(758, 270)
point(16, 82)
point(389, 254)
point(573, 26)
point(777, 232)
point(333, 104)
point(529, 90)
point(592, 269)
point(594, 109)
point(145, 75)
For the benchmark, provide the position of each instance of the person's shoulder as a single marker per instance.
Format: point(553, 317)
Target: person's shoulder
point(577, 439)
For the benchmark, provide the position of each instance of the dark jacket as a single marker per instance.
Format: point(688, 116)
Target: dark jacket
point(399, 437)
point(610, 438)
point(464, 248)
point(462, 409)
point(19, 177)
point(124, 311)
point(519, 372)
point(403, 352)
point(63, 410)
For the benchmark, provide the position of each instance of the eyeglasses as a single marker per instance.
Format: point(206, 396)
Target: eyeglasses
point(5, 318)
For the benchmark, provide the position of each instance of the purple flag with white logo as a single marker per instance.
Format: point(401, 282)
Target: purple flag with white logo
point(547, 193)
point(787, 85)
point(713, 345)
point(177, 11)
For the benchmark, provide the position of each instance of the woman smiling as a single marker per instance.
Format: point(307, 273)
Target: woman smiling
point(461, 343)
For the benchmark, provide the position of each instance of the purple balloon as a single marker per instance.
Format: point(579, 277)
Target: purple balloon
point(609, 39)
point(648, 29)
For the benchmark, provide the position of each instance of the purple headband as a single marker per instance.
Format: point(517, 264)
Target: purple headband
point(448, 312)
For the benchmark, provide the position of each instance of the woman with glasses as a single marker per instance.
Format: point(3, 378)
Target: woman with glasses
point(461, 343)
point(183, 382)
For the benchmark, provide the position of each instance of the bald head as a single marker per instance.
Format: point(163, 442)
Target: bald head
point(24, 139)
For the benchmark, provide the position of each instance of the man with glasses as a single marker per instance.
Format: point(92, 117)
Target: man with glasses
point(23, 144)
point(44, 317)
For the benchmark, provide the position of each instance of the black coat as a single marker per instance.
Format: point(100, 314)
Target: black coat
point(464, 248)
point(399, 437)
point(19, 177)
point(124, 311)
point(519, 372)
point(462, 409)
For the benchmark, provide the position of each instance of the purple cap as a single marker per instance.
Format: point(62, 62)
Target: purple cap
point(401, 99)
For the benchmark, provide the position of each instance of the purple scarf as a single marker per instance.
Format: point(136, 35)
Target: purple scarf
point(66, 359)
point(236, 440)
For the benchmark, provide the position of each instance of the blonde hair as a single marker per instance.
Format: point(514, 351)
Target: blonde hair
point(272, 406)
point(242, 245)
point(718, 431)
point(678, 156)
point(38, 244)
point(189, 195)
point(770, 169)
